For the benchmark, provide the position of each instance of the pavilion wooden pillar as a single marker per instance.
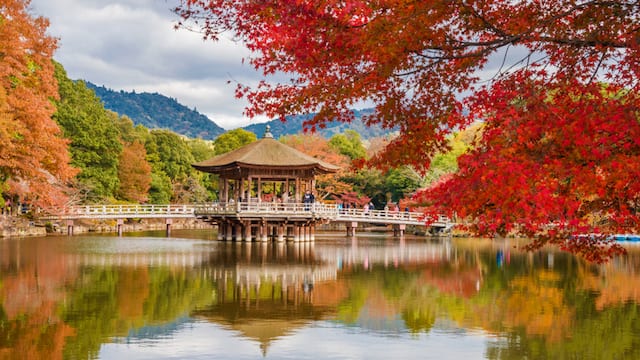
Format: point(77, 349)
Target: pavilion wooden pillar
point(305, 230)
point(264, 231)
point(221, 229)
point(281, 230)
point(238, 231)
point(288, 232)
point(225, 190)
point(296, 232)
point(297, 197)
point(228, 231)
point(247, 231)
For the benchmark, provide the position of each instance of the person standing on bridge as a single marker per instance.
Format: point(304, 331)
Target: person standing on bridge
point(308, 199)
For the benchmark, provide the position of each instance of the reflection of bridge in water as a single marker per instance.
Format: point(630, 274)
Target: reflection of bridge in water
point(287, 263)
point(277, 254)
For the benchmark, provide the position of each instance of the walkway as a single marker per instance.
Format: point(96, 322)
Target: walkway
point(329, 212)
point(265, 211)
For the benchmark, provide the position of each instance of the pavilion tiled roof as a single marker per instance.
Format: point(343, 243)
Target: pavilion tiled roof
point(265, 153)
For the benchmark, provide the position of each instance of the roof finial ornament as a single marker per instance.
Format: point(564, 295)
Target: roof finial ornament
point(267, 132)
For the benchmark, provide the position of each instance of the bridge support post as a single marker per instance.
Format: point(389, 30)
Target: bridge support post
point(247, 231)
point(264, 232)
point(70, 227)
point(296, 233)
point(120, 223)
point(228, 232)
point(167, 223)
point(312, 232)
point(220, 231)
point(351, 228)
point(238, 231)
point(288, 232)
point(398, 230)
point(281, 232)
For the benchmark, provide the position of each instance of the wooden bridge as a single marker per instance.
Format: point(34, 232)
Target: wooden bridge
point(250, 211)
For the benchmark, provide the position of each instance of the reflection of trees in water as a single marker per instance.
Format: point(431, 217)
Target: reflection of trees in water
point(545, 304)
point(111, 301)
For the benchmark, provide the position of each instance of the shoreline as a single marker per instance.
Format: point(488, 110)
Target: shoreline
point(18, 226)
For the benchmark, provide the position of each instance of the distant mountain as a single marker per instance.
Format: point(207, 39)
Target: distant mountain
point(156, 111)
point(293, 125)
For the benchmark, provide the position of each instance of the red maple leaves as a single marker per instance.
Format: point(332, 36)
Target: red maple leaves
point(553, 162)
point(559, 152)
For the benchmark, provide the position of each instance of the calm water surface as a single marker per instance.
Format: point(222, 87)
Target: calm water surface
point(145, 296)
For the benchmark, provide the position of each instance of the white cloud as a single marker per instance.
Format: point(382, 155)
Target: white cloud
point(132, 45)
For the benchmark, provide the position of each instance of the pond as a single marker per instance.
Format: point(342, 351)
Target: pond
point(146, 296)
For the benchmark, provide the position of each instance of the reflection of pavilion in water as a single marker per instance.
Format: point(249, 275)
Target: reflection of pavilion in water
point(268, 290)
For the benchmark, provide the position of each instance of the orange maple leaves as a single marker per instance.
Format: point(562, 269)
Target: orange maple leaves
point(34, 159)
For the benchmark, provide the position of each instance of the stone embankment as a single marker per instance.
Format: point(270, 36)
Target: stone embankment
point(18, 226)
point(15, 226)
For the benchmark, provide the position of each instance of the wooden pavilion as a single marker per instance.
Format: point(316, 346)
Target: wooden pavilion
point(265, 172)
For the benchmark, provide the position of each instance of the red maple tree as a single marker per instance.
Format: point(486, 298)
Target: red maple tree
point(433, 67)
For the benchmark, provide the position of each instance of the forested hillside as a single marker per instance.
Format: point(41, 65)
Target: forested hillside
point(156, 111)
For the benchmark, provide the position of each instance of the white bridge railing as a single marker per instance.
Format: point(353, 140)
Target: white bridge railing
point(264, 209)
point(122, 211)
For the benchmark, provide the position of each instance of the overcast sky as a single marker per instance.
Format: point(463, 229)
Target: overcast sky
point(132, 45)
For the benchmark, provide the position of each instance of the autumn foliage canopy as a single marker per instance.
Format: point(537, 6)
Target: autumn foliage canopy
point(555, 82)
point(34, 159)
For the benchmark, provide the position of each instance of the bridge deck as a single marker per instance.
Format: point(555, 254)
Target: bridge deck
point(262, 210)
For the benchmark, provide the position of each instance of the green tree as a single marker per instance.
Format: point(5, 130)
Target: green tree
point(401, 182)
point(368, 182)
point(129, 133)
point(232, 140)
point(349, 144)
point(95, 146)
point(172, 154)
point(160, 191)
point(203, 150)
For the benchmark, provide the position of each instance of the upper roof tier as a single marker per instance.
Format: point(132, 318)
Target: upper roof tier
point(266, 153)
